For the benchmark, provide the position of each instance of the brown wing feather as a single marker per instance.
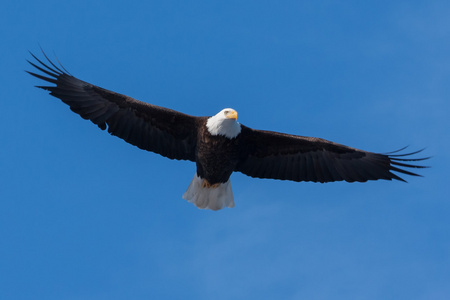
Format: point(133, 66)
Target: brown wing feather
point(276, 155)
point(149, 127)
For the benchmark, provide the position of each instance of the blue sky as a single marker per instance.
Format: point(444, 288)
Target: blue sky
point(83, 215)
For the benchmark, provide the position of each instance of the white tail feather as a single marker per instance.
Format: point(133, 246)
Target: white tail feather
point(209, 198)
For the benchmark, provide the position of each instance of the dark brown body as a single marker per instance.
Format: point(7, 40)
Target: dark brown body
point(216, 156)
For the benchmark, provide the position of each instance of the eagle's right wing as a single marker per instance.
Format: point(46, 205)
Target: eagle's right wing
point(161, 130)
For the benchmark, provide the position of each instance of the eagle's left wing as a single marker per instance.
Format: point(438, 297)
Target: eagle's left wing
point(268, 154)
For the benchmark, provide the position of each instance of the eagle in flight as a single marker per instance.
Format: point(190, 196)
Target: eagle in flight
point(219, 145)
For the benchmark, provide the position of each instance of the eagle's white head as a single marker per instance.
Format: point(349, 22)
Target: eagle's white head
point(224, 123)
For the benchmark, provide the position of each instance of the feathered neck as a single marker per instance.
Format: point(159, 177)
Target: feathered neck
point(220, 125)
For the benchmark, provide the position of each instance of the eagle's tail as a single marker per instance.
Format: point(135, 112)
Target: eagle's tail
point(214, 198)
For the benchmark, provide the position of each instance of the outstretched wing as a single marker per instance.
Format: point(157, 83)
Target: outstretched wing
point(289, 157)
point(149, 127)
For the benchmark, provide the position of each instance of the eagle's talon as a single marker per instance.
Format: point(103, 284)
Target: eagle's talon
point(207, 185)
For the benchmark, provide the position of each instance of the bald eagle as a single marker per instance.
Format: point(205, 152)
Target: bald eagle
point(219, 145)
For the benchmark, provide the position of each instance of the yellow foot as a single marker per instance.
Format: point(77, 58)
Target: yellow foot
point(206, 184)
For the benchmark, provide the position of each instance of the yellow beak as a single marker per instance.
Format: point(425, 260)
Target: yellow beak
point(232, 115)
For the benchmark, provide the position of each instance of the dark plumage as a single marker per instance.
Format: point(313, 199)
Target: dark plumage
point(219, 145)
